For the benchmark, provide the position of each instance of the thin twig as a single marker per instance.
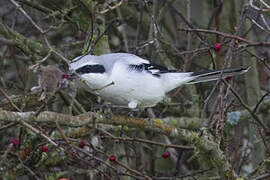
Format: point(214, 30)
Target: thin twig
point(64, 136)
point(260, 101)
point(217, 33)
point(150, 142)
point(111, 7)
point(27, 16)
point(257, 119)
point(187, 23)
point(249, 43)
point(28, 169)
point(7, 126)
point(258, 25)
point(268, 6)
point(103, 87)
point(115, 162)
point(35, 130)
point(10, 101)
point(42, 32)
point(263, 60)
point(263, 140)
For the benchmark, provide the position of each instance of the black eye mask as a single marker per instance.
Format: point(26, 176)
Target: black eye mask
point(91, 69)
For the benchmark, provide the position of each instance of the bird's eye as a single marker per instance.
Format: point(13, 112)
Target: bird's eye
point(97, 68)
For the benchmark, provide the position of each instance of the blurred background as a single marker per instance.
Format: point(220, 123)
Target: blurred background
point(187, 35)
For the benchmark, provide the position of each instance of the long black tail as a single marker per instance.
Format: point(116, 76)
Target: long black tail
point(212, 75)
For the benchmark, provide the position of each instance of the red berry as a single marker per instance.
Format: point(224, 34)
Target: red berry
point(217, 47)
point(228, 77)
point(63, 179)
point(65, 76)
point(165, 154)
point(14, 141)
point(45, 148)
point(81, 144)
point(112, 158)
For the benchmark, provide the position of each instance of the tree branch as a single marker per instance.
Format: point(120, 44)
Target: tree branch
point(203, 143)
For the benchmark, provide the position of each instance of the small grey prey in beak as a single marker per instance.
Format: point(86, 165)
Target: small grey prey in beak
point(50, 79)
point(127, 80)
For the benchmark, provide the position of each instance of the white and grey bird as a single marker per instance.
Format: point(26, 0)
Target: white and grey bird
point(127, 80)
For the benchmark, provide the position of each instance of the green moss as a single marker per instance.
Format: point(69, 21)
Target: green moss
point(165, 165)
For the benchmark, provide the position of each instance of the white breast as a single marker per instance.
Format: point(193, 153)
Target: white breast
point(132, 87)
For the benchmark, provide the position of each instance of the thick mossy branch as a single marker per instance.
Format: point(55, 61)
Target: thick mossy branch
point(203, 142)
point(31, 48)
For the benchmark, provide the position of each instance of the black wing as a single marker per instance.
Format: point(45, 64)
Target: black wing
point(154, 69)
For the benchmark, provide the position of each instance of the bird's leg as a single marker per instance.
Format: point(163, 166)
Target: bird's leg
point(150, 113)
point(108, 111)
point(104, 108)
point(135, 113)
